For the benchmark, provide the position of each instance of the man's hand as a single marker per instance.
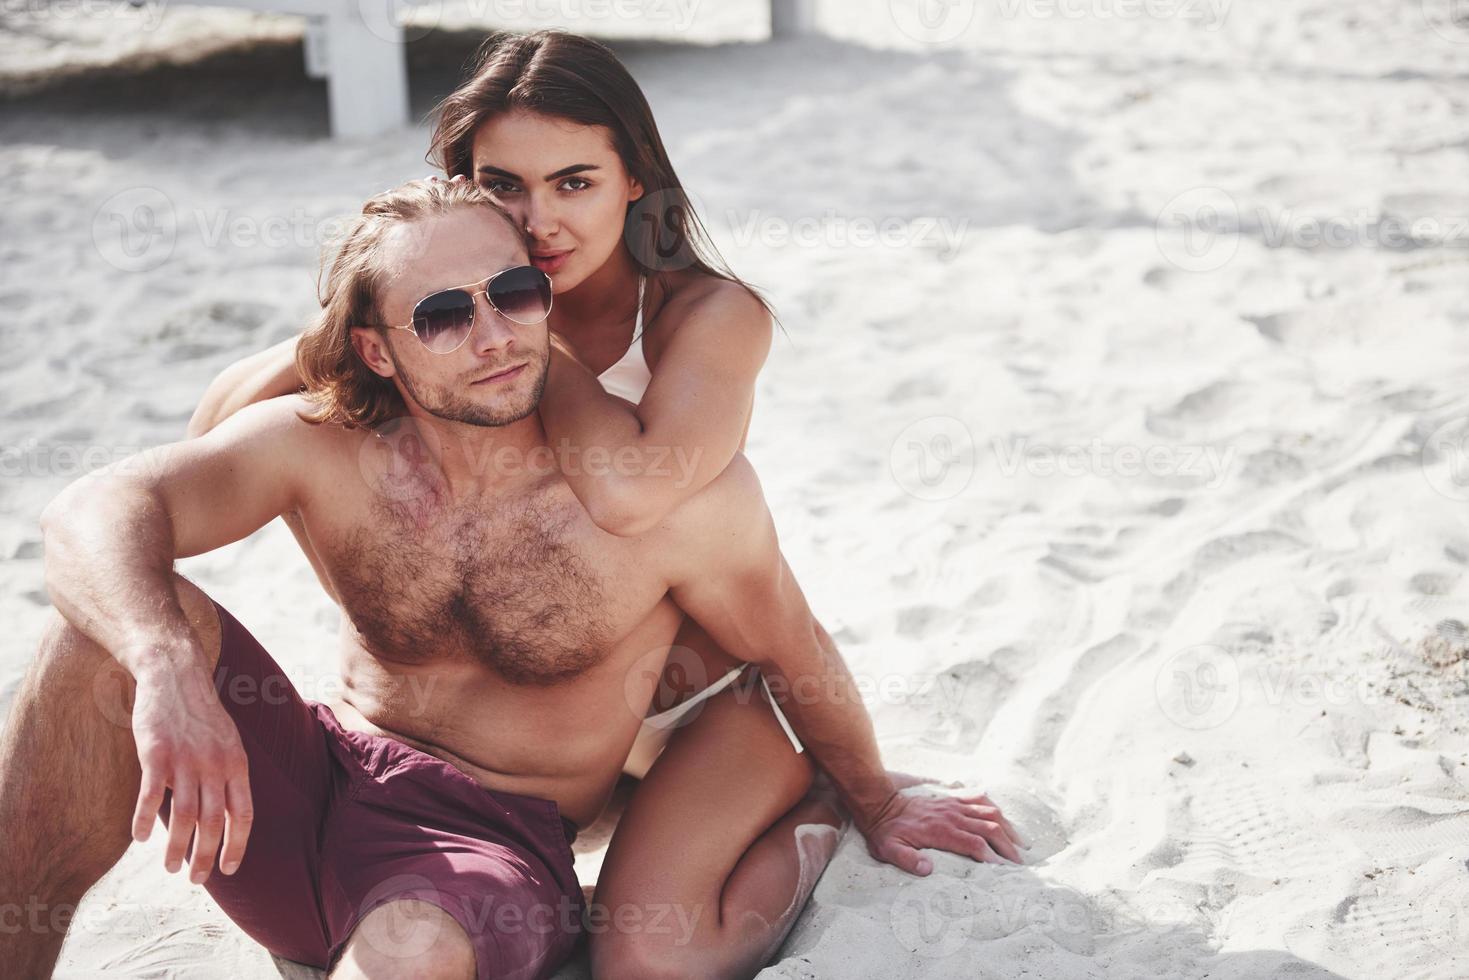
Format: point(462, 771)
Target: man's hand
point(187, 743)
point(968, 825)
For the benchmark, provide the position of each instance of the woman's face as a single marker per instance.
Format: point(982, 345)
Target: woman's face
point(564, 184)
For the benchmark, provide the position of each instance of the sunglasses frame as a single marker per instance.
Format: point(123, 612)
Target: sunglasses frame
point(475, 293)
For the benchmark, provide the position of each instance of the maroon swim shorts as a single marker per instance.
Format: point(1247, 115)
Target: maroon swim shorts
point(345, 821)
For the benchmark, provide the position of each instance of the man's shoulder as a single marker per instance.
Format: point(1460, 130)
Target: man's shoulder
point(286, 416)
point(279, 431)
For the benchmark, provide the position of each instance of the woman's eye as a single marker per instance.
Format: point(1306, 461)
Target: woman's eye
point(498, 186)
point(580, 184)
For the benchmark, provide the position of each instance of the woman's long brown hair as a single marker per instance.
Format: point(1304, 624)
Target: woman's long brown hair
point(581, 80)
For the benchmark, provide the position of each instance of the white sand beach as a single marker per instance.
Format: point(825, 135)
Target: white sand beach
point(1118, 431)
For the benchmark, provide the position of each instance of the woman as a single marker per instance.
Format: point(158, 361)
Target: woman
point(553, 127)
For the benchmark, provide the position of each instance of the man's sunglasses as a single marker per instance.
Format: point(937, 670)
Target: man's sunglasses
point(445, 319)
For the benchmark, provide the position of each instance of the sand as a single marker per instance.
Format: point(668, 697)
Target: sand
point(1118, 435)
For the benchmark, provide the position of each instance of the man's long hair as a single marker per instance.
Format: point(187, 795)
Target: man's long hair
point(341, 388)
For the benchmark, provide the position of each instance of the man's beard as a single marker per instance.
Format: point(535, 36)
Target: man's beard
point(452, 406)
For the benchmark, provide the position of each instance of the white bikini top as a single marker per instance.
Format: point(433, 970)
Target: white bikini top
point(629, 377)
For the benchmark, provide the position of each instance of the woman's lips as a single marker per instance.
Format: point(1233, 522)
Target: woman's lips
point(551, 261)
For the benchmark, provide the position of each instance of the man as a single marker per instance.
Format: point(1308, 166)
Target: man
point(494, 649)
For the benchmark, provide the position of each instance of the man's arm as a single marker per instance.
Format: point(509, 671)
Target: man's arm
point(734, 581)
point(112, 536)
point(111, 539)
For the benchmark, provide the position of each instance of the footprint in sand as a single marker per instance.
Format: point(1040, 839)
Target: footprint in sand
point(1239, 823)
point(1201, 412)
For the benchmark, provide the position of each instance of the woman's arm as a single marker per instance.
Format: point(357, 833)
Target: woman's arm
point(253, 379)
point(631, 465)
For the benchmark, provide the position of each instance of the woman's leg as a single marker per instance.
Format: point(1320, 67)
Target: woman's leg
point(719, 847)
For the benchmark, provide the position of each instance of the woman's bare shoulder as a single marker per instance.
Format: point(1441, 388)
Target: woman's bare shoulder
point(707, 304)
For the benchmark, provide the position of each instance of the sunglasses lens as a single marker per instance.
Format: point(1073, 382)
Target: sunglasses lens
point(522, 294)
point(443, 320)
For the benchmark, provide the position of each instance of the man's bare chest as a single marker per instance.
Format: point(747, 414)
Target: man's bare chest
point(528, 587)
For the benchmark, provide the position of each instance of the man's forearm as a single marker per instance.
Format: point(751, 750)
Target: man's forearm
point(109, 571)
point(826, 709)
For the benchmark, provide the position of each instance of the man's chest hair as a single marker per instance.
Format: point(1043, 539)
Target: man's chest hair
point(510, 585)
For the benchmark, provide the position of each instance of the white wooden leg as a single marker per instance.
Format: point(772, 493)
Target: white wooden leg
point(790, 18)
point(367, 74)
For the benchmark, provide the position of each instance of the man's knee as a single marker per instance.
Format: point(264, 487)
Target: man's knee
point(407, 938)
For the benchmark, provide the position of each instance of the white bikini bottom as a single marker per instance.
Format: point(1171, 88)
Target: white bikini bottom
point(657, 729)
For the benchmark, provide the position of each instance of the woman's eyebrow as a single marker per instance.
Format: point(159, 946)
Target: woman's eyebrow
point(575, 168)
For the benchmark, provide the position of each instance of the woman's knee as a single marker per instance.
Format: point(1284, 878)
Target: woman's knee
point(630, 956)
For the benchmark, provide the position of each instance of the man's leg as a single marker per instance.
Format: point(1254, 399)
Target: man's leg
point(69, 777)
point(407, 939)
point(729, 797)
